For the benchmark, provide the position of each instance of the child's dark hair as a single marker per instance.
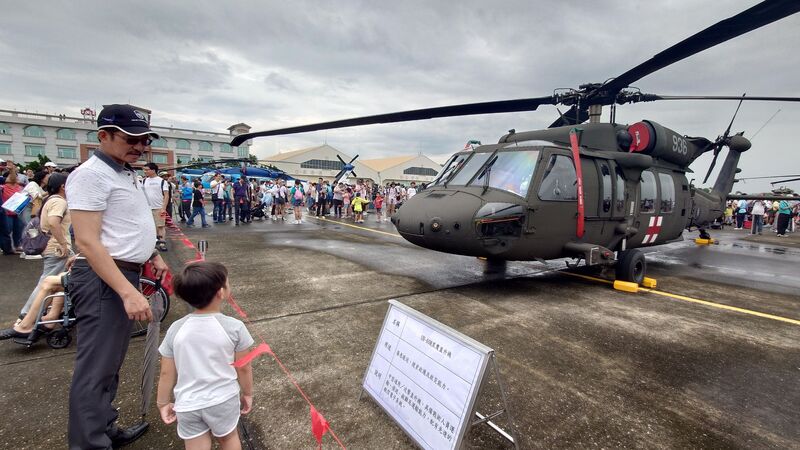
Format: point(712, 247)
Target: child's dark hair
point(199, 282)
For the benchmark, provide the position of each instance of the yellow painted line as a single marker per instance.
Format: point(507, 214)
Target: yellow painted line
point(587, 277)
point(697, 301)
point(358, 227)
point(642, 289)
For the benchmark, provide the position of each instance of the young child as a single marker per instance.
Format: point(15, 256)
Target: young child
point(196, 358)
point(358, 208)
point(346, 202)
point(378, 207)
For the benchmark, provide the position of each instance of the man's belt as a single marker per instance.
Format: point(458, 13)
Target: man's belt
point(125, 265)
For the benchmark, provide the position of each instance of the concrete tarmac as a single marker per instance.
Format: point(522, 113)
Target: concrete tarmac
point(584, 365)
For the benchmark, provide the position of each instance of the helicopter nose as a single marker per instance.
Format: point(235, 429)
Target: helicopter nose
point(440, 221)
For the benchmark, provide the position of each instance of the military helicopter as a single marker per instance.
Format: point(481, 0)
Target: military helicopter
point(594, 192)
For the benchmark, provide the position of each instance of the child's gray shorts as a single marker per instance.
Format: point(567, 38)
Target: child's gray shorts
point(220, 419)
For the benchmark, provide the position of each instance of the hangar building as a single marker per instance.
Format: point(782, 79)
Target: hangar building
point(322, 162)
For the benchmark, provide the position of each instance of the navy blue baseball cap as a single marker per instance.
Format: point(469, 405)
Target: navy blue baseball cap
point(125, 118)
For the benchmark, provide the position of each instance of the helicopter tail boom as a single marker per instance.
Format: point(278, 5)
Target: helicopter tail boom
point(737, 144)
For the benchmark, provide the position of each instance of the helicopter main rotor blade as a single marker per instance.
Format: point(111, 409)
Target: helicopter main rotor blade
point(653, 97)
point(571, 117)
point(502, 106)
point(759, 15)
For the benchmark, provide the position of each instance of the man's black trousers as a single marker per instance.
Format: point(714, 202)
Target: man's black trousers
point(104, 332)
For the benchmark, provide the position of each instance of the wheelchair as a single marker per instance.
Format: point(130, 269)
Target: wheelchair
point(58, 332)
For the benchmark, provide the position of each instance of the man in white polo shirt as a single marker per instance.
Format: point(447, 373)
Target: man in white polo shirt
point(115, 234)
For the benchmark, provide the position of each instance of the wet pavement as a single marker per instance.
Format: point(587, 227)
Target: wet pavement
point(584, 365)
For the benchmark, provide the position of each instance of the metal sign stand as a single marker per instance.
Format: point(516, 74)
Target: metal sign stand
point(202, 247)
point(392, 379)
point(487, 419)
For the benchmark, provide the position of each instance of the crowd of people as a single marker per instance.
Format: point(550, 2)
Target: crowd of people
point(243, 200)
point(781, 216)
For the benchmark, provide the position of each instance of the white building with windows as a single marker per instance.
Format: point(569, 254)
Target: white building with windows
point(68, 141)
point(322, 162)
point(404, 169)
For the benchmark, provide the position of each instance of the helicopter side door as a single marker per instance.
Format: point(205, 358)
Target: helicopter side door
point(648, 219)
point(552, 203)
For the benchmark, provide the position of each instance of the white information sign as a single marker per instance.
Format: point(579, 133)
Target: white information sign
point(426, 376)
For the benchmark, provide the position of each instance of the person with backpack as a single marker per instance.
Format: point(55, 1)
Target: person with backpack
point(171, 185)
point(218, 197)
point(741, 211)
point(53, 221)
point(241, 196)
point(186, 198)
point(298, 194)
point(156, 191)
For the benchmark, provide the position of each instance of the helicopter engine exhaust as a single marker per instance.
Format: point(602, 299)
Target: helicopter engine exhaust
point(649, 138)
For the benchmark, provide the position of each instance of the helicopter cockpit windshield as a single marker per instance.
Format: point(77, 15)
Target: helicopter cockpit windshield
point(510, 171)
point(470, 169)
point(452, 166)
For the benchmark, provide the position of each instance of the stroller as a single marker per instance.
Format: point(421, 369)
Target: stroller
point(58, 332)
point(258, 211)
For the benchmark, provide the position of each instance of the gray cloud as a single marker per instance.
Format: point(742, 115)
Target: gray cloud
point(208, 64)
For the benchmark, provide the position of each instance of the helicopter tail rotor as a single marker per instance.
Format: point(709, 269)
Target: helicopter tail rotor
point(722, 140)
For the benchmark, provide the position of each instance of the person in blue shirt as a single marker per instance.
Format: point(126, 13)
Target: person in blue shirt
point(741, 211)
point(784, 215)
point(186, 199)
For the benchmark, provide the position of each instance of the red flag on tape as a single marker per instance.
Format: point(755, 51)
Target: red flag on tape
point(235, 306)
point(318, 425)
point(254, 353)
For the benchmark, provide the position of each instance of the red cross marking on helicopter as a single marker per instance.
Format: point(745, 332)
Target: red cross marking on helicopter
point(652, 230)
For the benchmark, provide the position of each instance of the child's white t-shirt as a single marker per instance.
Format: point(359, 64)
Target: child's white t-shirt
point(203, 346)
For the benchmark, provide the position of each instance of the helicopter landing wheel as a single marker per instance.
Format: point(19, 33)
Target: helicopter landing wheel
point(631, 266)
point(704, 234)
point(492, 266)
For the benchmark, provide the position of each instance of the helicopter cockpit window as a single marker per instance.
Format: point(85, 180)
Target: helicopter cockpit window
point(559, 181)
point(510, 171)
point(667, 192)
point(455, 162)
point(605, 173)
point(470, 169)
point(647, 192)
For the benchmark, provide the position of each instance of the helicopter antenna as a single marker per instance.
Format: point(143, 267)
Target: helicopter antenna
point(765, 124)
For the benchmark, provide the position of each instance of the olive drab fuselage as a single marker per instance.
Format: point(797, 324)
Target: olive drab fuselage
point(518, 199)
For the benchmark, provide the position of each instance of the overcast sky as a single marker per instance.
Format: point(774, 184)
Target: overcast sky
point(271, 64)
